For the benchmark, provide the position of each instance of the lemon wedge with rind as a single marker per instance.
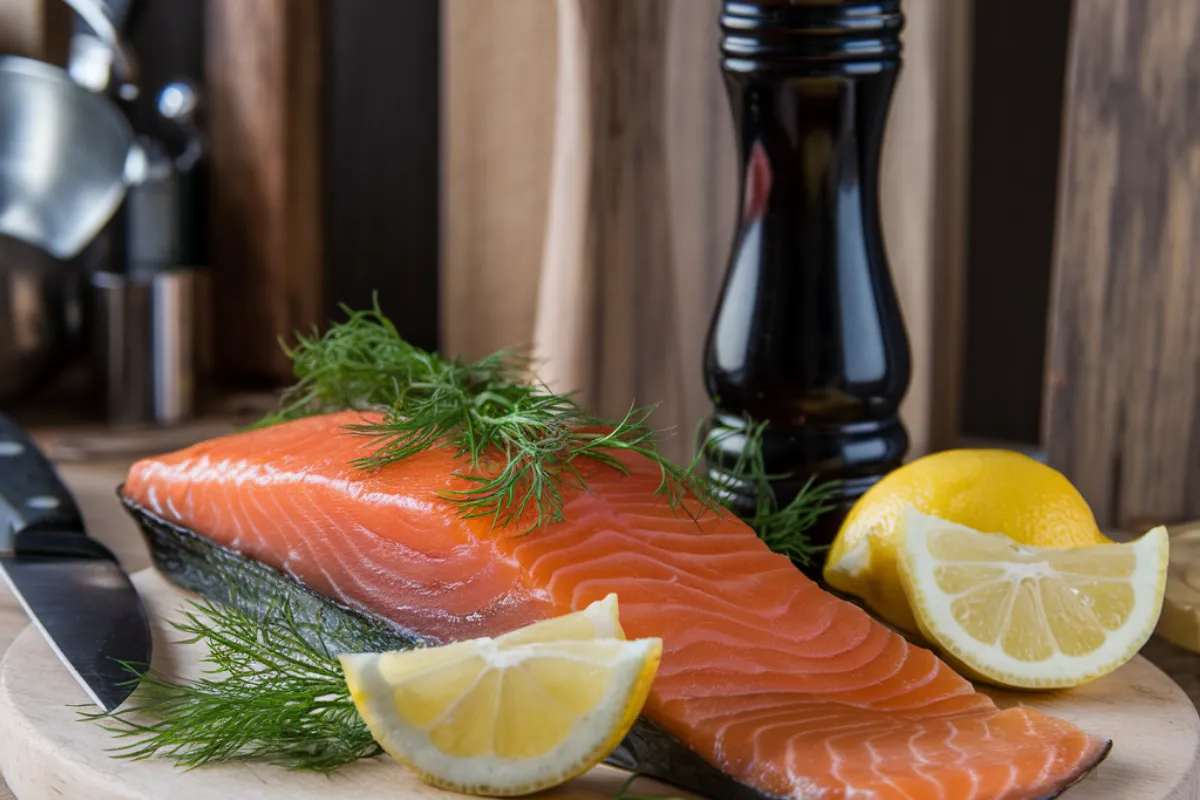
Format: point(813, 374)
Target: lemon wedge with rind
point(505, 716)
point(1031, 617)
point(988, 490)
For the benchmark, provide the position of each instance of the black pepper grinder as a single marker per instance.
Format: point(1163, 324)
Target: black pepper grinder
point(807, 335)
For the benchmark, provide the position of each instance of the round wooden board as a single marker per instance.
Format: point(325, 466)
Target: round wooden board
point(48, 753)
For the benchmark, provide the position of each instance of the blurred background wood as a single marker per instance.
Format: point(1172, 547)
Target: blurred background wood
point(1014, 143)
point(644, 194)
point(1122, 416)
point(498, 128)
point(923, 185)
point(38, 29)
point(380, 114)
point(264, 77)
point(611, 320)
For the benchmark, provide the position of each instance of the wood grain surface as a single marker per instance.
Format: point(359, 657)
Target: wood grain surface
point(264, 72)
point(595, 210)
point(383, 133)
point(609, 326)
point(1122, 415)
point(923, 187)
point(94, 487)
point(605, 215)
point(38, 29)
point(498, 128)
point(48, 754)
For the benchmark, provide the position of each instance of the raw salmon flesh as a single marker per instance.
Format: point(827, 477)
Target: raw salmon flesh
point(784, 687)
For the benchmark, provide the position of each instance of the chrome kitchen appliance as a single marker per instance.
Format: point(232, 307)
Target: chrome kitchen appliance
point(64, 150)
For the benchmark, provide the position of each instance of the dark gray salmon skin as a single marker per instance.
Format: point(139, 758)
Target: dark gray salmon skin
point(222, 575)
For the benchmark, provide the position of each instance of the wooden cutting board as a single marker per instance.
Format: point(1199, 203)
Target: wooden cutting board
point(48, 753)
point(1180, 620)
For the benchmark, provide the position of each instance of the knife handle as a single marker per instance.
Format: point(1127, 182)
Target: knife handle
point(31, 494)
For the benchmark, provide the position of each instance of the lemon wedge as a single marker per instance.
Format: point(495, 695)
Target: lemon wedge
point(510, 715)
point(989, 490)
point(1031, 617)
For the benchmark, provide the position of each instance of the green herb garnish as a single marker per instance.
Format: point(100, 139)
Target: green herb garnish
point(269, 695)
point(274, 691)
point(523, 443)
point(784, 529)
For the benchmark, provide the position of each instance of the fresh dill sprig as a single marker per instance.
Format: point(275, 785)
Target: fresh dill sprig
point(361, 364)
point(268, 695)
point(523, 443)
point(783, 529)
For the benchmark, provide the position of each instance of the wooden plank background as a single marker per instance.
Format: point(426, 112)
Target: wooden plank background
point(1122, 416)
point(630, 253)
point(264, 75)
point(38, 29)
point(498, 67)
point(381, 181)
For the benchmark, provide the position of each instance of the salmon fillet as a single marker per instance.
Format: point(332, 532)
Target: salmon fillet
point(772, 680)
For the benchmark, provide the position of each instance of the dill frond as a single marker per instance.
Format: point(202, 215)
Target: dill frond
point(268, 694)
point(522, 443)
point(783, 529)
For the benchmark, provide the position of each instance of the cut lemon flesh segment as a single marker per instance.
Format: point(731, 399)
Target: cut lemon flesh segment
point(600, 620)
point(511, 715)
point(988, 490)
point(1031, 617)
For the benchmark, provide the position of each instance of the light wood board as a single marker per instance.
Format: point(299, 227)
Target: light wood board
point(48, 753)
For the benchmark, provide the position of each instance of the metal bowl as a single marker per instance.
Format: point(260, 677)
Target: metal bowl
point(63, 153)
point(62, 157)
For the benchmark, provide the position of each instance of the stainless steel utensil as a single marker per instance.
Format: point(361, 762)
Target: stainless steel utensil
point(104, 53)
point(63, 152)
point(41, 314)
point(70, 584)
point(144, 341)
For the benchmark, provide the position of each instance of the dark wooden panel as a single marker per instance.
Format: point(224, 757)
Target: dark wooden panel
point(1123, 396)
point(38, 29)
point(1019, 61)
point(264, 73)
point(382, 160)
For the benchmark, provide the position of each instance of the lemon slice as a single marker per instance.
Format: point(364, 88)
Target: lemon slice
point(511, 715)
point(1031, 617)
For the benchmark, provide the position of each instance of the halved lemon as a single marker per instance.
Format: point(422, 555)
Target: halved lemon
point(511, 715)
point(989, 490)
point(1031, 617)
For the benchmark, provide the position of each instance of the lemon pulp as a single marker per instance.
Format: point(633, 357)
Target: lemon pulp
point(988, 490)
point(1031, 617)
point(509, 715)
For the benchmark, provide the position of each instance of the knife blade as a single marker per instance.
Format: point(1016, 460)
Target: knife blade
point(70, 585)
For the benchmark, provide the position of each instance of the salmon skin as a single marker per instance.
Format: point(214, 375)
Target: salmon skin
point(783, 688)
